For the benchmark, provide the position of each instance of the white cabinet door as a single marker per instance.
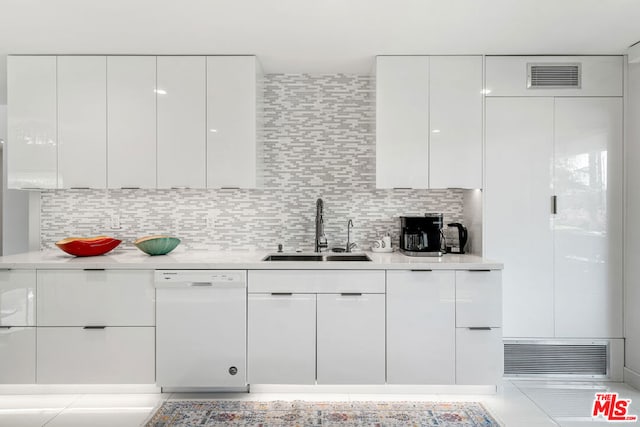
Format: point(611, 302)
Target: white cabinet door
point(82, 122)
point(420, 327)
point(479, 356)
point(282, 338)
point(96, 298)
point(32, 137)
point(518, 228)
point(402, 122)
point(351, 339)
point(478, 298)
point(18, 355)
point(18, 298)
point(181, 122)
point(131, 121)
point(96, 356)
point(231, 121)
point(588, 225)
point(455, 107)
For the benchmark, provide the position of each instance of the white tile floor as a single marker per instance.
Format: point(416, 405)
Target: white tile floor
point(520, 404)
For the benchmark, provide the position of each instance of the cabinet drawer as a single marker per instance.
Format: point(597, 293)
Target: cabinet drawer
point(112, 355)
point(18, 355)
point(101, 297)
point(316, 281)
point(17, 297)
point(479, 356)
point(479, 298)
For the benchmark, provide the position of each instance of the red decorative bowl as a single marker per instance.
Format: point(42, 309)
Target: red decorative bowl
point(88, 246)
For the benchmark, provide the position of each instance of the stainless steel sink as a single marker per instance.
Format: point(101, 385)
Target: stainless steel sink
point(347, 257)
point(292, 257)
point(318, 257)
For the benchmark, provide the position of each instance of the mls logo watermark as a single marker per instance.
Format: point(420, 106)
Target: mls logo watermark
point(612, 408)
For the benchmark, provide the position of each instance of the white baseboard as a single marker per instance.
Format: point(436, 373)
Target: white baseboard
point(79, 388)
point(632, 378)
point(374, 389)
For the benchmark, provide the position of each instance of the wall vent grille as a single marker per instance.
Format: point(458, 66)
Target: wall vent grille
point(558, 359)
point(554, 76)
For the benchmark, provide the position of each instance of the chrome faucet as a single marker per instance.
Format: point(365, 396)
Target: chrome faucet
point(321, 239)
point(349, 244)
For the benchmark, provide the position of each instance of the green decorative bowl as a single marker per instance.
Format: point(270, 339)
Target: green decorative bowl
point(157, 245)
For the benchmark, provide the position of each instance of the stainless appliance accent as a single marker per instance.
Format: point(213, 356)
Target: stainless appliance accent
point(321, 239)
point(421, 235)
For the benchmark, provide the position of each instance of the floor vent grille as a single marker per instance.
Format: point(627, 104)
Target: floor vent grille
point(554, 76)
point(561, 359)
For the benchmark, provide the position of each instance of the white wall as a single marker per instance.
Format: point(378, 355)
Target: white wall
point(632, 236)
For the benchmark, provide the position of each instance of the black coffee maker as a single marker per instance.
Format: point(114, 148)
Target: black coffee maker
point(421, 235)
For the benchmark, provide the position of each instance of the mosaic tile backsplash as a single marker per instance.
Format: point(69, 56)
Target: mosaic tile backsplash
point(318, 142)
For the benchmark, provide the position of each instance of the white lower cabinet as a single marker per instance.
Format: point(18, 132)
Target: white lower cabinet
point(351, 338)
point(17, 298)
point(96, 298)
point(18, 355)
point(110, 355)
point(282, 338)
point(479, 348)
point(479, 356)
point(420, 334)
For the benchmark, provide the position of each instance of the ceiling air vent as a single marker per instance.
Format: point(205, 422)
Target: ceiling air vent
point(554, 76)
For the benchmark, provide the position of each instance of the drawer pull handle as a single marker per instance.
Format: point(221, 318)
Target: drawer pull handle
point(421, 270)
point(93, 269)
point(201, 284)
point(129, 188)
point(351, 294)
point(478, 271)
point(480, 328)
point(93, 327)
point(6, 327)
point(282, 293)
point(5, 269)
point(79, 188)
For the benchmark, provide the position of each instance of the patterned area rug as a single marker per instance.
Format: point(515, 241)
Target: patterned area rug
point(300, 413)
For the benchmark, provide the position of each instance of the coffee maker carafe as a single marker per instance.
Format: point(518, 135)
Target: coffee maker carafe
point(421, 235)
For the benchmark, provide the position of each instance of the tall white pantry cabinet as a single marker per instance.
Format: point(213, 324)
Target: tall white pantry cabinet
point(553, 193)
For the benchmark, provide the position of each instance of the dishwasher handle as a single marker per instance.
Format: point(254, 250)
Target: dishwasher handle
point(201, 284)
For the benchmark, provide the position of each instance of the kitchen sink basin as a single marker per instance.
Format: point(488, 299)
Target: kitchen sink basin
point(292, 257)
point(346, 257)
point(313, 257)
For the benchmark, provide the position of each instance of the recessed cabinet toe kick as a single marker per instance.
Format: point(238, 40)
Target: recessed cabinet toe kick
point(201, 329)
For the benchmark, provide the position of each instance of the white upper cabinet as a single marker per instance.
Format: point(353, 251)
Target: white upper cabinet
point(429, 122)
point(554, 75)
point(131, 121)
point(32, 136)
point(181, 121)
point(402, 122)
point(232, 105)
point(455, 106)
point(82, 125)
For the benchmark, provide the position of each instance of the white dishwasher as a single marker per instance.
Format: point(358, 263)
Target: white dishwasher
point(201, 329)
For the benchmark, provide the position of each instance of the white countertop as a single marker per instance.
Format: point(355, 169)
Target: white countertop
point(187, 259)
